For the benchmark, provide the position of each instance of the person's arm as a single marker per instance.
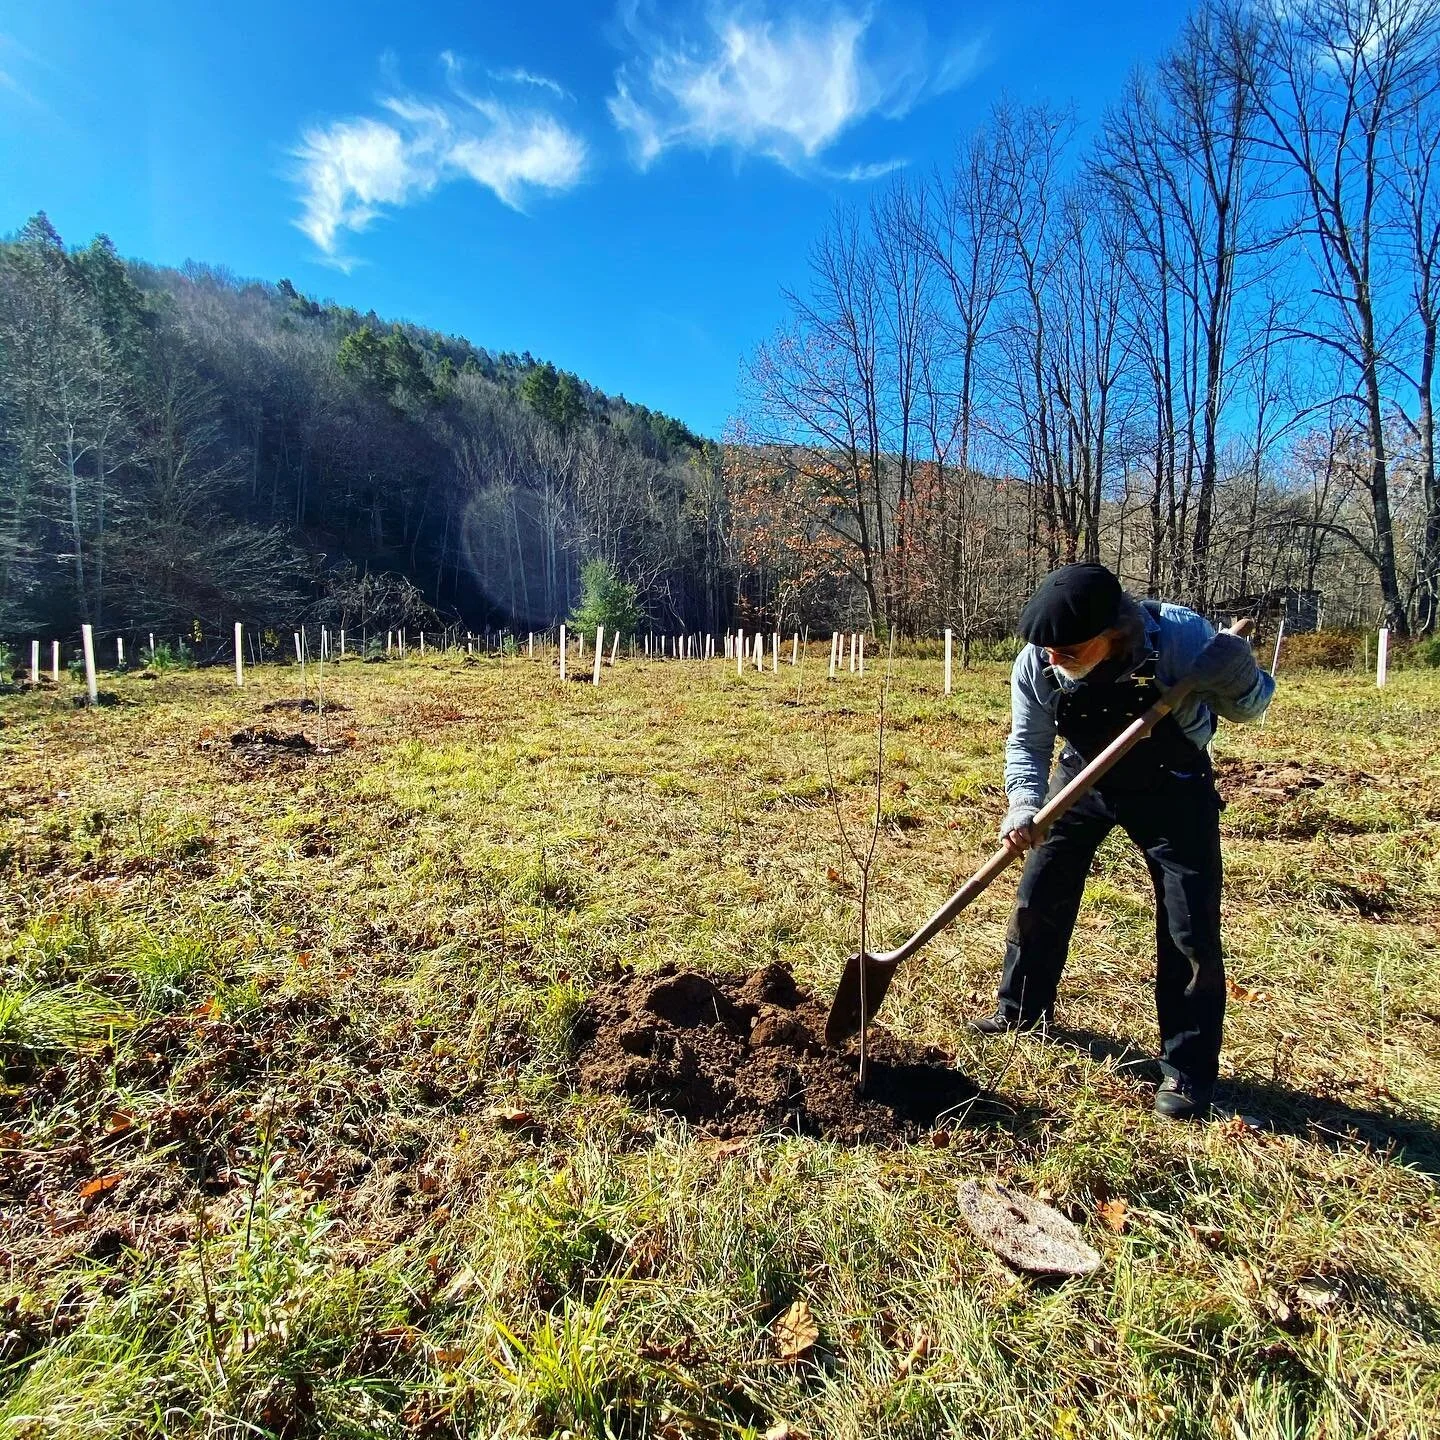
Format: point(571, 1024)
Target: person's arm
point(1230, 682)
point(1229, 678)
point(1251, 703)
point(1029, 748)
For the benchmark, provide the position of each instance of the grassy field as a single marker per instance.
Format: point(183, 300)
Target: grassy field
point(289, 1143)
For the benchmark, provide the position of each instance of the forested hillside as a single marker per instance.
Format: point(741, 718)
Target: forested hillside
point(182, 446)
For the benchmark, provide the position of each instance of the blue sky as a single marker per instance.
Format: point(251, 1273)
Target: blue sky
point(622, 189)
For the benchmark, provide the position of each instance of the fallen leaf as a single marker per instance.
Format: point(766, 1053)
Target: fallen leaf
point(1243, 992)
point(118, 1123)
point(919, 1349)
point(210, 1009)
point(1115, 1214)
point(1317, 1294)
point(99, 1186)
point(510, 1115)
point(722, 1148)
point(836, 878)
point(1281, 1312)
point(450, 1357)
point(461, 1285)
point(796, 1331)
point(11, 1140)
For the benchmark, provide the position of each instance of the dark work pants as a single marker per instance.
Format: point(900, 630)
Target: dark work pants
point(1175, 820)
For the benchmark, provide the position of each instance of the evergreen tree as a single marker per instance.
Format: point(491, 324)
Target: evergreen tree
point(605, 600)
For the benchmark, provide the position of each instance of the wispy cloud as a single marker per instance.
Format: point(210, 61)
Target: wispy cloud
point(859, 174)
point(11, 50)
point(778, 80)
point(519, 76)
point(351, 171)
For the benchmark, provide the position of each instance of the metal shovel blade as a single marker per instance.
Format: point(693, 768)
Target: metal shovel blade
point(845, 1012)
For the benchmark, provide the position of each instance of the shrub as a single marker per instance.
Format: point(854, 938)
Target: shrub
point(605, 599)
point(1318, 650)
point(1425, 652)
point(178, 657)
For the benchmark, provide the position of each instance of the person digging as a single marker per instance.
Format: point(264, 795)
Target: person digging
point(1095, 660)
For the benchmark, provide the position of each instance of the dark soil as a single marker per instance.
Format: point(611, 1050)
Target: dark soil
point(743, 1055)
point(306, 706)
point(269, 739)
point(1281, 779)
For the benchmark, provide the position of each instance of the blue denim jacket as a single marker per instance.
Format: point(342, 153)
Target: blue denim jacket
point(1178, 637)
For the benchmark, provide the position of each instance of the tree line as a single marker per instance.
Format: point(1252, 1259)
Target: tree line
point(182, 449)
point(1197, 342)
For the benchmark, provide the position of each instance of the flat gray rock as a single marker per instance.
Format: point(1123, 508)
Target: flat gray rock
point(1025, 1232)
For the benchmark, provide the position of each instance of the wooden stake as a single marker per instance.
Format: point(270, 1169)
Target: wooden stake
point(599, 653)
point(949, 660)
point(239, 655)
point(87, 640)
point(1274, 662)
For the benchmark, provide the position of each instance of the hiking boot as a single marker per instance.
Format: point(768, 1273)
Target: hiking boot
point(1183, 1100)
point(1001, 1023)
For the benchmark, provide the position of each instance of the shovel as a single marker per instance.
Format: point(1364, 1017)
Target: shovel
point(867, 976)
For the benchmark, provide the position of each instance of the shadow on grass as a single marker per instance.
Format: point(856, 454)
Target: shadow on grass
point(1284, 1110)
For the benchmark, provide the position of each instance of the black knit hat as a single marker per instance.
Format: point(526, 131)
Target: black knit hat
point(1072, 605)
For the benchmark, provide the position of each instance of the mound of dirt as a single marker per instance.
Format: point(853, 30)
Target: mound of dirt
point(304, 707)
point(1282, 780)
point(742, 1056)
point(254, 737)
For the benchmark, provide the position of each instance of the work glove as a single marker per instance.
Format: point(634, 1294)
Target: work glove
point(1225, 669)
point(1015, 827)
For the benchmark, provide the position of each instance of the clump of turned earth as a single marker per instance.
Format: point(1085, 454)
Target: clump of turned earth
point(745, 1055)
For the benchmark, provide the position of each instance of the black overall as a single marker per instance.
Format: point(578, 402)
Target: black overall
point(1162, 794)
